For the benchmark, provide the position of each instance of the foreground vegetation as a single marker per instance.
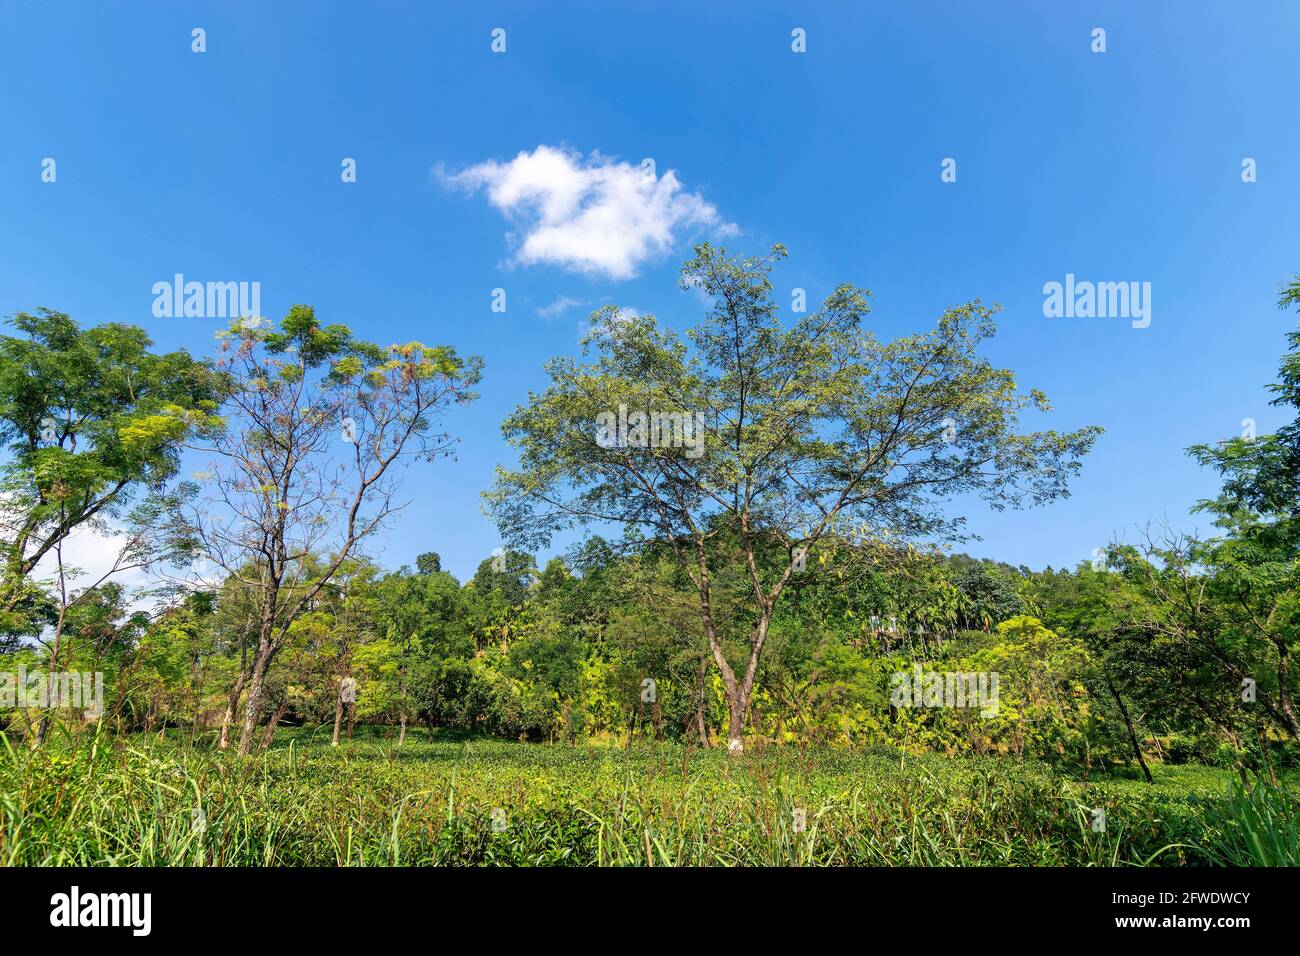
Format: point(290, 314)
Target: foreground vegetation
point(153, 801)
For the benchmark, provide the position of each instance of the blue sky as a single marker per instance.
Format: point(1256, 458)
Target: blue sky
point(1115, 166)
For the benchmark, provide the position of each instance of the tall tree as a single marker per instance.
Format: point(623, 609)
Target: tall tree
point(1244, 614)
point(760, 438)
point(1260, 498)
point(90, 417)
point(318, 422)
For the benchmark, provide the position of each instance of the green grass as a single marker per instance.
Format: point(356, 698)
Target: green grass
point(153, 802)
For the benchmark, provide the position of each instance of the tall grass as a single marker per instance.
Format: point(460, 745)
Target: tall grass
point(98, 800)
point(1257, 825)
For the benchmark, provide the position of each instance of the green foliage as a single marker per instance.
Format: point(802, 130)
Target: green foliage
point(97, 802)
point(1259, 825)
point(799, 431)
point(88, 418)
point(636, 658)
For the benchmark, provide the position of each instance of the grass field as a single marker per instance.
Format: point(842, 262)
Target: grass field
point(151, 801)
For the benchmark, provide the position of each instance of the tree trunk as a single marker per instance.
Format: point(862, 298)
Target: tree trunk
point(740, 694)
point(338, 716)
point(698, 717)
point(52, 669)
point(401, 738)
point(256, 689)
point(1132, 734)
point(736, 722)
point(273, 723)
point(1284, 692)
point(735, 741)
point(232, 708)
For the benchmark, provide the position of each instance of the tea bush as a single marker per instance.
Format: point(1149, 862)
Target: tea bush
point(153, 801)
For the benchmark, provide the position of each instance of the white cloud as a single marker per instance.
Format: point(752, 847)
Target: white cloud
point(559, 306)
point(592, 215)
point(88, 554)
